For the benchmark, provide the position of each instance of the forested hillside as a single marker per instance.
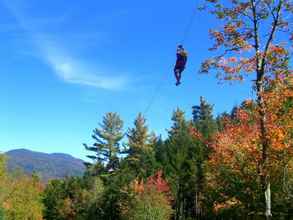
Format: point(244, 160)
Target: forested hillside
point(47, 166)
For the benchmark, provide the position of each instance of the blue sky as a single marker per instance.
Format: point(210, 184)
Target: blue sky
point(64, 65)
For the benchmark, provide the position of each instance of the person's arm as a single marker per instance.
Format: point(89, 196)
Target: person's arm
point(184, 56)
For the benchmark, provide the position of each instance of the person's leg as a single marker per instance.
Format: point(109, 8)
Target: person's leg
point(179, 74)
point(176, 73)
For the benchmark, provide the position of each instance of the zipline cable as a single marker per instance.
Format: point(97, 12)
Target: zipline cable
point(188, 27)
point(156, 91)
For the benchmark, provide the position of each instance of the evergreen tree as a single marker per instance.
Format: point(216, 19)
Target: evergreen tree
point(138, 136)
point(234, 111)
point(160, 152)
point(73, 198)
point(205, 124)
point(203, 118)
point(140, 154)
point(182, 150)
point(220, 120)
point(107, 143)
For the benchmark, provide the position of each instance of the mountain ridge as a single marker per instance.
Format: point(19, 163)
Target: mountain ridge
point(46, 165)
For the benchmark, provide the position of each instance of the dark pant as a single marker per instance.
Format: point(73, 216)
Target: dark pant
point(178, 72)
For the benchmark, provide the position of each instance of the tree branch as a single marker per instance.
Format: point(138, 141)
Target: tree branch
point(256, 35)
point(271, 37)
point(270, 10)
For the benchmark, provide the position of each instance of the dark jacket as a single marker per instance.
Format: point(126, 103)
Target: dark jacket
point(181, 59)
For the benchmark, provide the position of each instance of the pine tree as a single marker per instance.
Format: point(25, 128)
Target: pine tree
point(203, 118)
point(160, 152)
point(179, 121)
point(138, 136)
point(107, 143)
point(140, 154)
point(205, 124)
point(182, 151)
point(220, 120)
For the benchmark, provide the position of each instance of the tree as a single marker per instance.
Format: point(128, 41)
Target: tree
point(150, 205)
point(204, 128)
point(3, 184)
point(221, 120)
point(151, 199)
point(107, 146)
point(24, 194)
point(233, 164)
point(52, 198)
point(182, 152)
point(115, 195)
point(250, 41)
point(140, 153)
point(19, 193)
point(73, 198)
point(236, 158)
point(203, 119)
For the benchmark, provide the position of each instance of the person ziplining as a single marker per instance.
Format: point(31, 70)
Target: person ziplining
point(179, 67)
point(181, 60)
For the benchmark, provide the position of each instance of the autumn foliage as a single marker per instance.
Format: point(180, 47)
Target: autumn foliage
point(155, 182)
point(237, 152)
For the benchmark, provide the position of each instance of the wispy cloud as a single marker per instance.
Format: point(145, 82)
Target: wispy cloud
point(62, 63)
point(73, 71)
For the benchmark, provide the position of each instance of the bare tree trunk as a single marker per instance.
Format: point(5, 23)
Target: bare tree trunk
point(198, 212)
point(265, 177)
point(268, 201)
point(260, 71)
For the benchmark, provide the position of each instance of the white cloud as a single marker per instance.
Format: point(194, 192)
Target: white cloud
point(63, 64)
point(77, 72)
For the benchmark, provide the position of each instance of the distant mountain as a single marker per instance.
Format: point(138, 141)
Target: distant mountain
point(48, 166)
